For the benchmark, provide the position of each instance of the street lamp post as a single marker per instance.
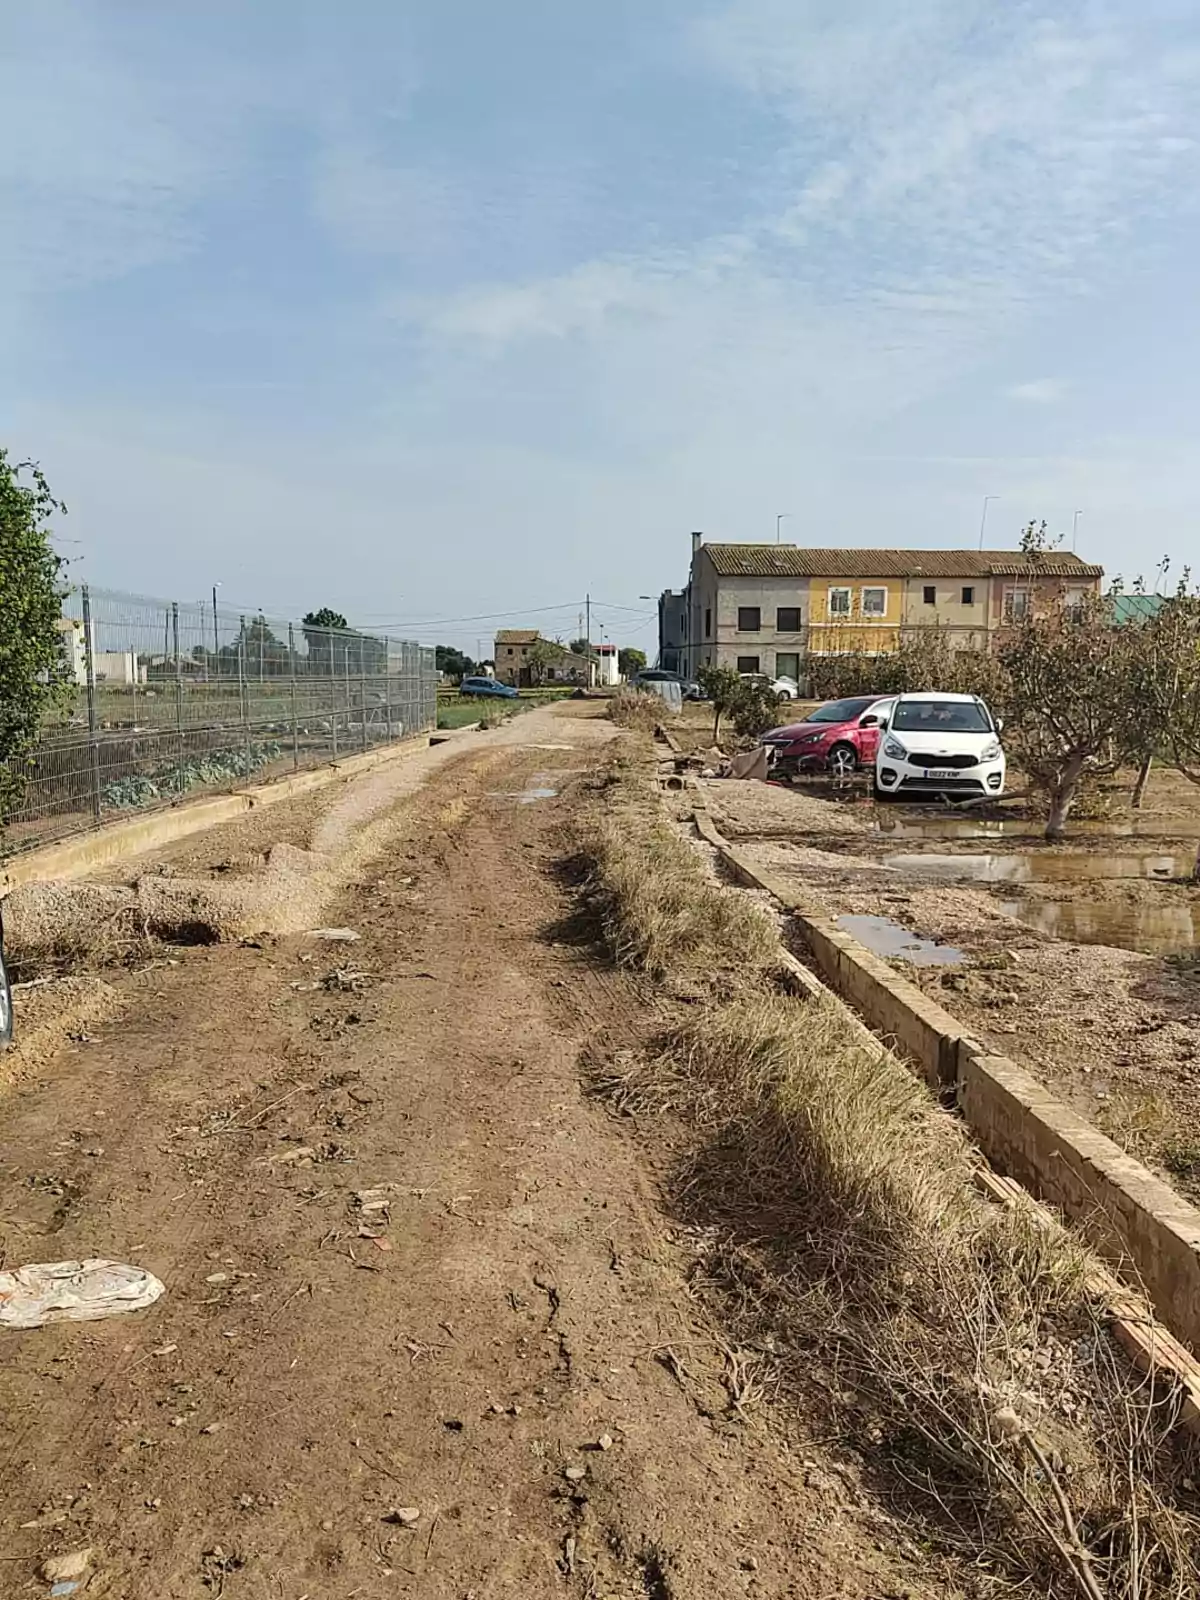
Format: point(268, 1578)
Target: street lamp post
point(780, 518)
point(1075, 527)
point(983, 518)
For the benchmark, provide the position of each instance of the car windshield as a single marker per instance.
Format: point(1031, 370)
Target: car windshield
point(940, 716)
point(840, 711)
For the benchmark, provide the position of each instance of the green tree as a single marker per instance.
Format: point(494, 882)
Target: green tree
point(722, 686)
point(324, 618)
point(630, 661)
point(755, 709)
point(35, 675)
point(541, 656)
point(322, 631)
point(453, 662)
point(580, 647)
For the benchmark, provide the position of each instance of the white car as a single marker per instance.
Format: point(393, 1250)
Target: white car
point(939, 744)
point(786, 688)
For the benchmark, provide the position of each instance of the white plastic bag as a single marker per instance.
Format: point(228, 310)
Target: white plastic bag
point(73, 1291)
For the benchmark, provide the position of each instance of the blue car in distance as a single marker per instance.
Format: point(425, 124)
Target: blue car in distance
point(487, 688)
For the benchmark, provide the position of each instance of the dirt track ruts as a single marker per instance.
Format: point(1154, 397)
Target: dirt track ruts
point(317, 1366)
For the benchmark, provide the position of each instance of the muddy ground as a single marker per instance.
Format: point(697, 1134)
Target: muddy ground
point(1043, 975)
point(428, 1327)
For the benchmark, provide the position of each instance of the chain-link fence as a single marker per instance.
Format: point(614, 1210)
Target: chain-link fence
point(174, 700)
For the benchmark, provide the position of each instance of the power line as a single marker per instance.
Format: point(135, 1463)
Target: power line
point(482, 616)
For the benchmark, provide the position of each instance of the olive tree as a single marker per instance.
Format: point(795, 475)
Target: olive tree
point(1167, 693)
point(35, 678)
point(1069, 697)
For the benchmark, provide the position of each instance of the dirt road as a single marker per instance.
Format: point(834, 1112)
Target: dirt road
point(426, 1331)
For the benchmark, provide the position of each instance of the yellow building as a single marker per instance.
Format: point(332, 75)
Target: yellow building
point(765, 608)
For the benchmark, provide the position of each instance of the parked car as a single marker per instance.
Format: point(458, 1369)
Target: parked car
point(786, 688)
point(485, 688)
point(839, 737)
point(651, 675)
point(939, 744)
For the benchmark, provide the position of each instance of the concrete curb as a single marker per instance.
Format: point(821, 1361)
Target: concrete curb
point(1133, 1219)
point(77, 856)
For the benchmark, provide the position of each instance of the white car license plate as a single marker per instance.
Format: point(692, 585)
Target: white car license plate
point(942, 772)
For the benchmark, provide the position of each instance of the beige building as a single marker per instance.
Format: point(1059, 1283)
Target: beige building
point(524, 659)
point(766, 607)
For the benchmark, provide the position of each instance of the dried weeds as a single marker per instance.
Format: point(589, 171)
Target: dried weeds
point(953, 1342)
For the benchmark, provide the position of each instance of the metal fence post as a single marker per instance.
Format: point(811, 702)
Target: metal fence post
point(346, 672)
point(387, 685)
point(333, 712)
point(178, 688)
point(244, 692)
point(295, 714)
point(90, 673)
point(362, 686)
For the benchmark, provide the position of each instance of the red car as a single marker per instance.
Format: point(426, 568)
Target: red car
point(838, 737)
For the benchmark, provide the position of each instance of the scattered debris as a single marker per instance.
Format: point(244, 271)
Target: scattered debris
point(604, 1442)
point(65, 1569)
point(74, 1291)
point(302, 1152)
point(405, 1516)
point(335, 935)
point(575, 1474)
point(375, 1201)
point(350, 980)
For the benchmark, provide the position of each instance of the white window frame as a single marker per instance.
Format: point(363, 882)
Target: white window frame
point(1021, 593)
point(873, 588)
point(835, 611)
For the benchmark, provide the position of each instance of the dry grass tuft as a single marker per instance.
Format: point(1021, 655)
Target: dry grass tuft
point(952, 1340)
point(633, 708)
point(659, 910)
point(979, 1369)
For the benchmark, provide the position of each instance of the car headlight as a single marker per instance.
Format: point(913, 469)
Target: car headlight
point(811, 738)
point(894, 750)
point(993, 752)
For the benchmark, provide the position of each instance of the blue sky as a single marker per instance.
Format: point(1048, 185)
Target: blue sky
point(438, 311)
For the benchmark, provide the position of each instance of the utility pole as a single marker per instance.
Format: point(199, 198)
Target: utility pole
point(588, 635)
point(1075, 527)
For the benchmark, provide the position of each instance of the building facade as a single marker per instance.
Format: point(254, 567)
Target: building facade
point(764, 608)
point(524, 659)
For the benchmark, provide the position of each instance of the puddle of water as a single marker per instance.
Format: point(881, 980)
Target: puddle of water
point(888, 938)
point(539, 787)
point(1043, 866)
point(1150, 930)
point(1012, 828)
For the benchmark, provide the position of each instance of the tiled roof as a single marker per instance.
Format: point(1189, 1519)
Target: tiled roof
point(517, 635)
point(795, 561)
point(1051, 566)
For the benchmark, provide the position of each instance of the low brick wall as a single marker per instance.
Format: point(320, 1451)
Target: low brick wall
point(1132, 1219)
point(1135, 1220)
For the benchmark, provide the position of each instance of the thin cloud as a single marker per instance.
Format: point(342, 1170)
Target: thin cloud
point(1038, 392)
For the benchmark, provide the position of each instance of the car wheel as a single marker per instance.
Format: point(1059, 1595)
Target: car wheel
point(842, 760)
